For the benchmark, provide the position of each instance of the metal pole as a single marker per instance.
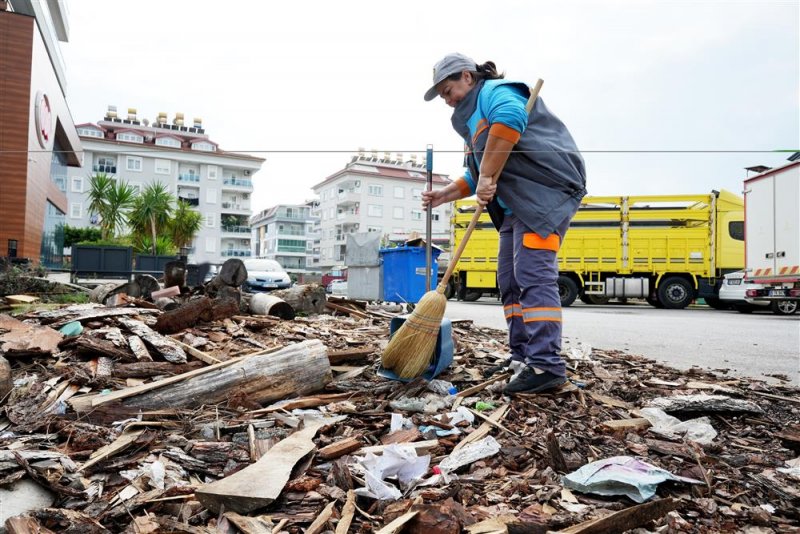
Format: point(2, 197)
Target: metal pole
point(428, 218)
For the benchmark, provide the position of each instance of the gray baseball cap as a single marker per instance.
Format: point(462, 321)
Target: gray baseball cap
point(449, 65)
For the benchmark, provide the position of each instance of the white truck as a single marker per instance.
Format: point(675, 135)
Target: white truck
point(772, 233)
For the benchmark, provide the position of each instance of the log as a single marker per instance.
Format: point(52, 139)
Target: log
point(306, 298)
point(164, 345)
point(183, 317)
point(175, 274)
point(145, 369)
point(88, 344)
point(6, 383)
point(233, 273)
point(223, 307)
point(295, 369)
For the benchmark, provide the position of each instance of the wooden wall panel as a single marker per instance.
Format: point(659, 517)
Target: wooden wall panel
point(16, 46)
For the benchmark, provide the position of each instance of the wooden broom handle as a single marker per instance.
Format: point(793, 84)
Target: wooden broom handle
point(454, 259)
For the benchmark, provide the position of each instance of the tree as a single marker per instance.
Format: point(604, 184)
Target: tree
point(99, 185)
point(151, 211)
point(185, 224)
point(111, 200)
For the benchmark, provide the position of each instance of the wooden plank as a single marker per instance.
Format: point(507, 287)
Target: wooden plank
point(340, 356)
point(340, 448)
point(626, 424)
point(484, 429)
point(248, 525)
point(260, 483)
point(166, 346)
point(493, 423)
point(626, 519)
point(397, 524)
point(419, 446)
point(609, 401)
point(303, 402)
point(348, 511)
point(483, 385)
point(127, 437)
point(323, 517)
point(199, 354)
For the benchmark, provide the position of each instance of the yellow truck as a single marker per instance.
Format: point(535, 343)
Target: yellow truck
point(667, 249)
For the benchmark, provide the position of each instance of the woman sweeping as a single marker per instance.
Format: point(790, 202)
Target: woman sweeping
point(531, 202)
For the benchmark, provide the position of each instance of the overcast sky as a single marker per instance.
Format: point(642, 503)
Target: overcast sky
point(322, 76)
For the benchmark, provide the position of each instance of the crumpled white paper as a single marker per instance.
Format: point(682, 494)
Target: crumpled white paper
point(698, 430)
point(398, 460)
point(461, 414)
point(473, 452)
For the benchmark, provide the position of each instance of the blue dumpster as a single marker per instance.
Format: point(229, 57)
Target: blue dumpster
point(404, 273)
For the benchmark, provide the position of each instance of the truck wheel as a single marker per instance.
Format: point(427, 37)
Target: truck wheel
point(594, 299)
point(567, 290)
point(472, 295)
point(784, 307)
point(675, 293)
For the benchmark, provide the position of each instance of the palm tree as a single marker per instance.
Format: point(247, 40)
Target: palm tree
point(99, 185)
point(152, 210)
point(111, 201)
point(185, 224)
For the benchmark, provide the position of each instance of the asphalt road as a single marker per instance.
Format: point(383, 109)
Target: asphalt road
point(754, 345)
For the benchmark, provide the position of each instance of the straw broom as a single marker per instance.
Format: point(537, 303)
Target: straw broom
point(411, 348)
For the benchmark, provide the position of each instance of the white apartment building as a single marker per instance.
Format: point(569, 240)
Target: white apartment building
point(381, 195)
point(286, 234)
point(217, 183)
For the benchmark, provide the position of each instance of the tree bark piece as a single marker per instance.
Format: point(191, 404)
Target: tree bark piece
point(557, 461)
point(183, 317)
point(323, 517)
point(626, 519)
point(6, 382)
point(261, 483)
point(233, 273)
point(164, 345)
point(88, 344)
point(139, 349)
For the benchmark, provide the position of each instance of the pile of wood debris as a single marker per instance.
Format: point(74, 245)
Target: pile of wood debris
point(257, 424)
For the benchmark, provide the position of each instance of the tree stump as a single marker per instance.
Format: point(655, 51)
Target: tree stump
point(307, 298)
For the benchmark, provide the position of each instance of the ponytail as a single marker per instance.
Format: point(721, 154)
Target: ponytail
point(488, 71)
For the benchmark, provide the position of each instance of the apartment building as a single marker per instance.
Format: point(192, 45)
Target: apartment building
point(372, 194)
point(217, 183)
point(38, 141)
point(286, 233)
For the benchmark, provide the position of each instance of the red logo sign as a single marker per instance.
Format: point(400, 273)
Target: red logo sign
point(44, 119)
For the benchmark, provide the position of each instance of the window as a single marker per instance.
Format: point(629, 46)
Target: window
point(211, 244)
point(375, 210)
point(77, 185)
point(211, 196)
point(377, 229)
point(137, 187)
point(162, 166)
point(90, 132)
point(212, 172)
point(399, 192)
point(397, 212)
point(204, 147)
point(416, 193)
point(168, 141)
point(435, 216)
point(130, 137)
point(133, 163)
point(76, 210)
point(416, 215)
point(375, 190)
point(210, 221)
point(736, 230)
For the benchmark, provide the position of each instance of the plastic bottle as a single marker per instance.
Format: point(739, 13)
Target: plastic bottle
point(442, 387)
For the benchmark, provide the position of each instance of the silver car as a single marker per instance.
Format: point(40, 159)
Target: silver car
point(733, 291)
point(265, 275)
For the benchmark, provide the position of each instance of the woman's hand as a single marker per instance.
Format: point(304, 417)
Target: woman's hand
point(433, 198)
point(486, 189)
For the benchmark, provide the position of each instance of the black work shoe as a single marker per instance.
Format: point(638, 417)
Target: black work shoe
point(529, 382)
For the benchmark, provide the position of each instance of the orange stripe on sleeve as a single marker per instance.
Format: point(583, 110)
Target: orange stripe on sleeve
point(463, 187)
point(504, 132)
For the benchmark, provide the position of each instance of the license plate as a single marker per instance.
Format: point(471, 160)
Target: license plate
point(735, 282)
point(777, 292)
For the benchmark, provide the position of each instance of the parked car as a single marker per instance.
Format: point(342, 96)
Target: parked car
point(338, 288)
point(733, 291)
point(265, 275)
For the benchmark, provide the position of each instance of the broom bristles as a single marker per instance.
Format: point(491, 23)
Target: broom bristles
point(410, 350)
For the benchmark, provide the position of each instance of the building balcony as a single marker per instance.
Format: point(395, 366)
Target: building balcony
point(61, 183)
point(108, 169)
point(185, 177)
point(237, 182)
point(236, 253)
point(347, 218)
point(347, 198)
point(233, 229)
point(235, 206)
point(192, 201)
